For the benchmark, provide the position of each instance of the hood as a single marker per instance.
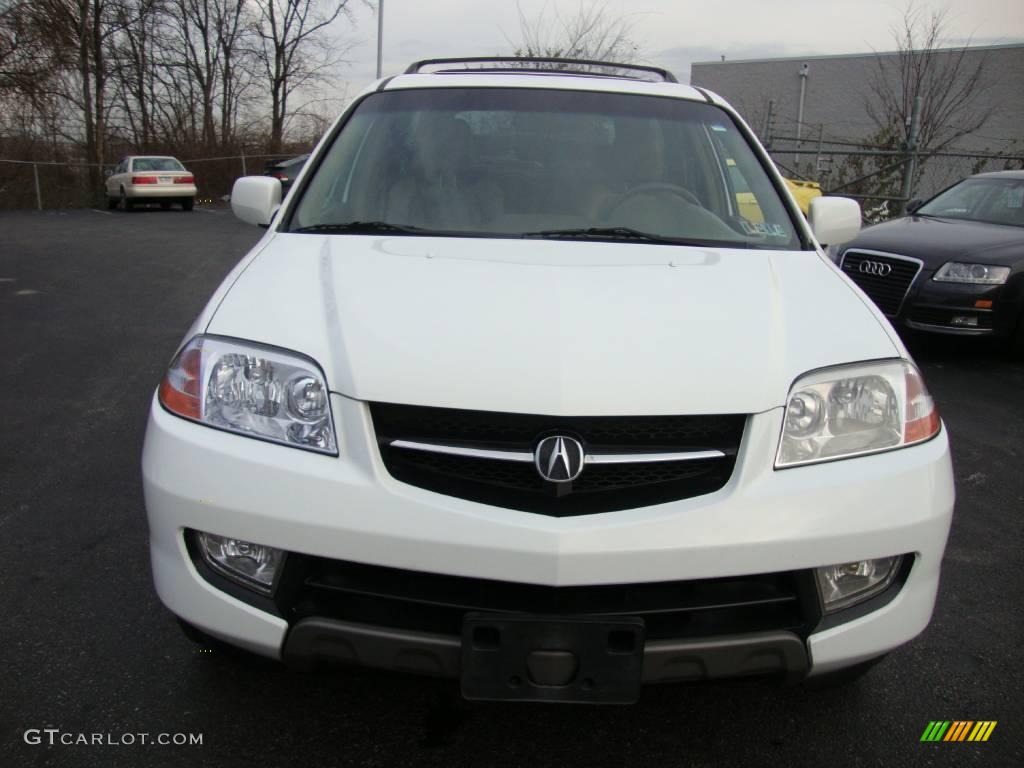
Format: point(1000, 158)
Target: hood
point(560, 328)
point(936, 241)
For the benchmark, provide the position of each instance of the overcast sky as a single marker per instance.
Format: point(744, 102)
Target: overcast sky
point(671, 33)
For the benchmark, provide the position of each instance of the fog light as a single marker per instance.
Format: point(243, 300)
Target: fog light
point(252, 565)
point(847, 584)
point(965, 321)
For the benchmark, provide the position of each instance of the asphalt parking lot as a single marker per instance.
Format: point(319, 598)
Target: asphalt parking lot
point(92, 304)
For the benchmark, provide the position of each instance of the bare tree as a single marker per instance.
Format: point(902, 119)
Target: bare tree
point(18, 39)
point(135, 54)
point(951, 85)
point(592, 32)
point(78, 36)
point(294, 51)
point(82, 79)
point(230, 18)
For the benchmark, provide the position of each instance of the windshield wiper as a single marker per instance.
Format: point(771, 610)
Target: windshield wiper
point(596, 233)
point(626, 233)
point(363, 227)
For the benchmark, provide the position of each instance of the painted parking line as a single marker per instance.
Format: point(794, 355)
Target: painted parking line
point(97, 210)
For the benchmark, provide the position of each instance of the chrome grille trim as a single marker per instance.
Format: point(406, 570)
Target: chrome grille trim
point(590, 458)
point(459, 450)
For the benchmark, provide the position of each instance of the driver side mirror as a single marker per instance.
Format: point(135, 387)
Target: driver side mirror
point(834, 220)
point(914, 204)
point(255, 199)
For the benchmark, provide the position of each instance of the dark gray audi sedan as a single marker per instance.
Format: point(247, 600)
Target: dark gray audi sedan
point(954, 265)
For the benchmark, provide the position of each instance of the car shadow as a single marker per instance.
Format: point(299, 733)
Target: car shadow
point(933, 348)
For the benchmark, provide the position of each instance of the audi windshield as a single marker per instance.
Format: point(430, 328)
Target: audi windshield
point(519, 162)
point(991, 200)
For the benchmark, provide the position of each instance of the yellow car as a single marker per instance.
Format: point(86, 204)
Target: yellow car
point(802, 191)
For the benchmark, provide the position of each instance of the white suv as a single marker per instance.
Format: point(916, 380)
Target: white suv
point(519, 388)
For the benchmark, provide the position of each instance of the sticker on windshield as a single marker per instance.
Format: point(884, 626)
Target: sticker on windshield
point(1015, 198)
point(763, 229)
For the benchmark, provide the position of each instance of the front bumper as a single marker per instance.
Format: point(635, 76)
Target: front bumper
point(348, 508)
point(960, 309)
point(782, 654)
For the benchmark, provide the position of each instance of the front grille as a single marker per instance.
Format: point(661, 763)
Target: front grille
point(426, 602)
point(943, 316)
point(886, 291)
point(600, 487)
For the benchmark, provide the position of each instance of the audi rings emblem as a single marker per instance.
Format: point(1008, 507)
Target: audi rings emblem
point(559, 459)
point(876, 268)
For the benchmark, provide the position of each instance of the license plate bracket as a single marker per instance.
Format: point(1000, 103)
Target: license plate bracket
point(572, 659)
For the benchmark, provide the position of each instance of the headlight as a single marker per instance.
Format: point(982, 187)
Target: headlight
point(253, 390)
point(855, 410)
point(976, 274)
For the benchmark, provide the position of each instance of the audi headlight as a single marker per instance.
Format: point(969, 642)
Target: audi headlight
point(975, 274)
point(251, 389)
point(855, 410)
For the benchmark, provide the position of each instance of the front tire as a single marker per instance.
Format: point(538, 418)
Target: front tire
point(187, 203)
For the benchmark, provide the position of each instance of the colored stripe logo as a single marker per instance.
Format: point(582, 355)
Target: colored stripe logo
point(958, 730)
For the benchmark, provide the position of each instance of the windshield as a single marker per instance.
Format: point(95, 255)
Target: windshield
point(515, 162)
point(156, 164)
point(992, 200)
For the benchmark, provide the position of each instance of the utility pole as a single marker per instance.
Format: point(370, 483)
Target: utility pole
point(766, 131)
point(380, 35)
point(804, 70)
point(910, 166)
point(817, 159)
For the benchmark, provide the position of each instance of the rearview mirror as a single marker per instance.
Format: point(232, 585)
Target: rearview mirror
point(834, 220)
point(255, 199)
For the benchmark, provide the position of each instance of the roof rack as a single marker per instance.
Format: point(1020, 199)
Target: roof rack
point(569, 66)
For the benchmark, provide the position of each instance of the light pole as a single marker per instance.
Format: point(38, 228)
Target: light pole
point(380, 33)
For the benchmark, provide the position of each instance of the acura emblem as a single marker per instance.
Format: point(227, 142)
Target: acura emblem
point(877, 268)
point(559, 459)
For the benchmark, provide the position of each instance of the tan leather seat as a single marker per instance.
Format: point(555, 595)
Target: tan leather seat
point(440, 192)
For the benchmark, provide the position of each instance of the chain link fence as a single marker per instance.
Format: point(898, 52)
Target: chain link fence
point(885, 180)
point(46, 185)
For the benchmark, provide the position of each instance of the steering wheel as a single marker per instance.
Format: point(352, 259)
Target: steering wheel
point(654, 186)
